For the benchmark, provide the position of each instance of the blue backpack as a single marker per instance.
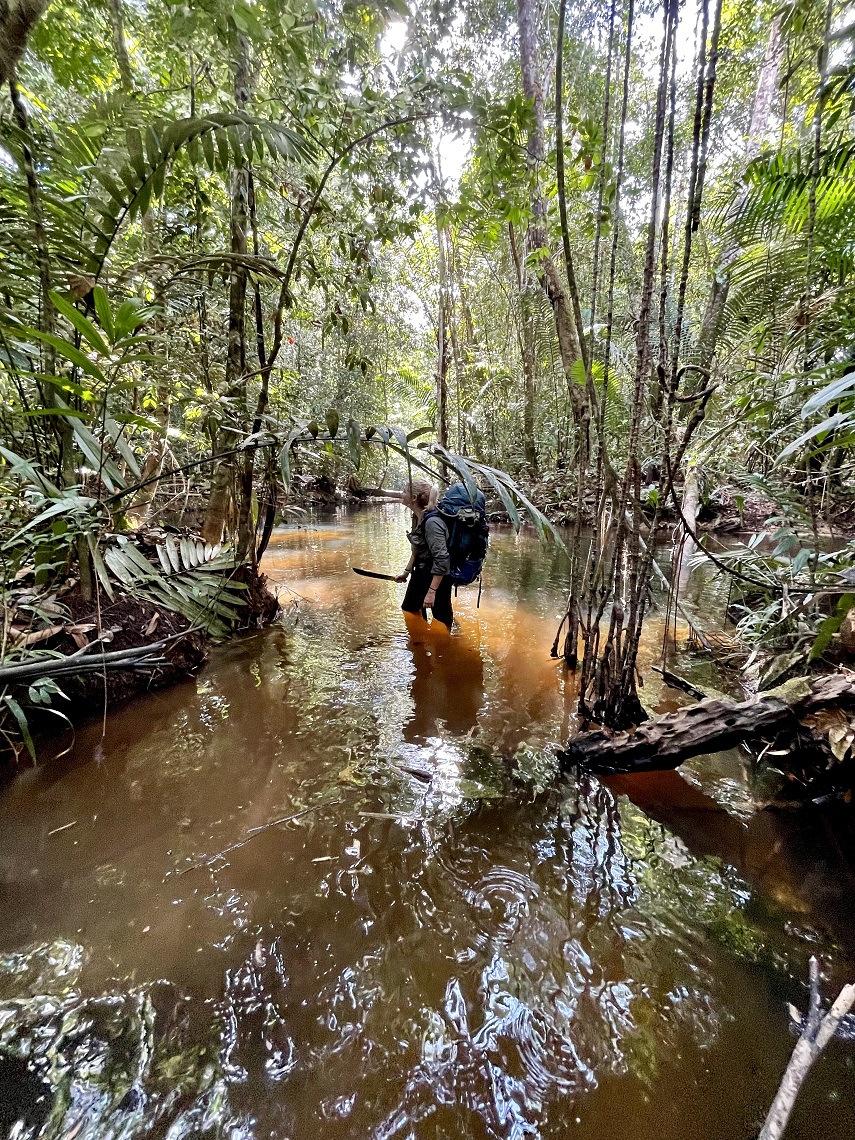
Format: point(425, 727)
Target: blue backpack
point(468, 532)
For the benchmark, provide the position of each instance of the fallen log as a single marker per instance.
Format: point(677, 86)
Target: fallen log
point(710, 726)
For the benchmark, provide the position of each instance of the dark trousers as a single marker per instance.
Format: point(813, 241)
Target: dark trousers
point(418, 586)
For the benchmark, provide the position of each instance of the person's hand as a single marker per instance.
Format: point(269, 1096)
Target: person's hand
point(403, 577)
point(430, 598)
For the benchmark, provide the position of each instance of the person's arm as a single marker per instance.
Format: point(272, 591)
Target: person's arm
point(430, 596)
point(408, 569)
point(436, 536)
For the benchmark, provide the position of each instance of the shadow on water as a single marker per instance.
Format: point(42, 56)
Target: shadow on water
point(333, 888)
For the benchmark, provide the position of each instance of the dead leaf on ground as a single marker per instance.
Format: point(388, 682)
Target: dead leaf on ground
point(38, 635)
point(152, 625)
point(837, 726)
point(78, 632)
point(840, 739)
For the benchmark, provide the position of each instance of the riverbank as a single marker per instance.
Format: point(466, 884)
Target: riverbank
point(149, 622)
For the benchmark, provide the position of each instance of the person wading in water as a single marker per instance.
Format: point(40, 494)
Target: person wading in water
point(428, 569)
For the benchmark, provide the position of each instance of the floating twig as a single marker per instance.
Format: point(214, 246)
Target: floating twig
point(254, 833)
point(64, 827)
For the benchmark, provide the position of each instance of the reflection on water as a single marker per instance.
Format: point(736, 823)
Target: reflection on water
point(317, 893)
point(447, 689)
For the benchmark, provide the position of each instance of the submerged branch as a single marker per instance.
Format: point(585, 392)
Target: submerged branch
point(817, 1031)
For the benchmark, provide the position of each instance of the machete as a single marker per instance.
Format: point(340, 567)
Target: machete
point(371, 574)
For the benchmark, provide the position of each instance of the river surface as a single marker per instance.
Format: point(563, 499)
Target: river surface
point(332, 888)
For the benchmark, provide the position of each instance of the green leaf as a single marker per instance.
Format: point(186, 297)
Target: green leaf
point(105, 316)
point(223, 150)
point(285, 455)
point(67, 350)
point(139, 421)
point(577, 373)
point(208, 150)
point(830, 626)
point(333, 419)
point(135, 151)
point(503, 493)
point(460, 466)
point(19, 715)
point(401, 438)
point(98, 563)
point(26, 470)
point(152, 146)
point(110, 184)
point(833, 423)
point(122, 445)
point(96, 456)
point(839, 389)
point(354, 440)
point(83, 325)
point(69, 503)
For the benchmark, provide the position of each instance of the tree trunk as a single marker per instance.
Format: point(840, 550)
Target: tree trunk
point(223, 481)
point(537, 238)
point(61, 424)
point(47, 322)
point(247, 524)
point(17, 20)
point(120, 47)
point(143, 504)
point(559, 170)
point(710, 726)
point(443, 342)
point(528, 358)
point(469, 349)
point(685, 547)
point(760, 114)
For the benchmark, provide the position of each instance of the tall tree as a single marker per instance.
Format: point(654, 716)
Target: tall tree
point(538, 252)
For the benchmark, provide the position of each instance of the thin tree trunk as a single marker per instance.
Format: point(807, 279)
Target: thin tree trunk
point(562, 196)
point(61, 423)
point(537, 238)
point(17, 20)
point(143, 505)
point(442, 339)
point(223, 481)
point(120, 47)
point(528, 357)
point(469, 348)
point(246, 522)
point(759, 126)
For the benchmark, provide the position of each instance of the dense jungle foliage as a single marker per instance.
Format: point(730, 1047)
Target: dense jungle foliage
point(603, 250)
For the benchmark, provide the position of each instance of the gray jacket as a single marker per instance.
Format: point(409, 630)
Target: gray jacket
point(429, 541)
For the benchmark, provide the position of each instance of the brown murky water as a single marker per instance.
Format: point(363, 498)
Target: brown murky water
point(332, 889)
